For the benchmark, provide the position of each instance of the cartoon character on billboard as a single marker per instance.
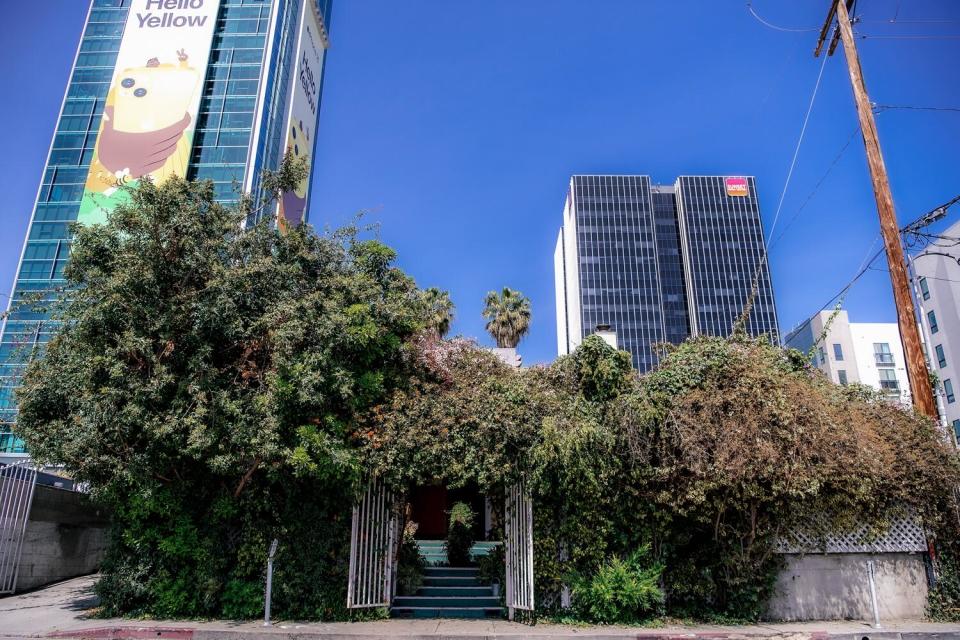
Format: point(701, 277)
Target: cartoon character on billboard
point(293, 203)
point(144, 121)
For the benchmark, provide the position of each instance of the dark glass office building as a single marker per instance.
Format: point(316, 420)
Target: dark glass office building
point(234, 82)
point(660, 263)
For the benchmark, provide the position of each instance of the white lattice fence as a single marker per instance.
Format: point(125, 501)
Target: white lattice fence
point(904, 535)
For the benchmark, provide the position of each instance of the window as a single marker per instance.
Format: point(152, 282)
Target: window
point(956, 430)
point(881, 351)
point(941, 356)
point(823, 355)
point(948, 391)
point(837, 352)
point(842, 376)
point(924, 289)
point(932, 319)
point(888, 380)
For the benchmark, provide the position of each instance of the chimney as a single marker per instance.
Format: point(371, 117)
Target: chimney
point(609, 335)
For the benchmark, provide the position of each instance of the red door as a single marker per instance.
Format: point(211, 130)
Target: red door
point(430, 512)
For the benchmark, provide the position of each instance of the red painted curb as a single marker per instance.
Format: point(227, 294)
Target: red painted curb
point(125, 633)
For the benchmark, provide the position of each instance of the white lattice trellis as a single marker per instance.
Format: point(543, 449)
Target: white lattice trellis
point(903, 536)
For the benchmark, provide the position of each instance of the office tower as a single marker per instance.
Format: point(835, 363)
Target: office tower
point(660, 263)
point(866, 352)
point(207, 89)
point(936, 284)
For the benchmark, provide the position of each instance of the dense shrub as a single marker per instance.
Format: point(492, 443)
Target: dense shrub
point(460, 535)
point(731, 444)
point(205, 382)
point(620, 591)
point(220, 388)
point(410, 564)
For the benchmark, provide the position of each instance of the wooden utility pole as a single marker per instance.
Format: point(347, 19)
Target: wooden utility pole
point(923, 399)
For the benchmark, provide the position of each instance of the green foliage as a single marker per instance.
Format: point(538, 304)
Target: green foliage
point(219, 388)
point(620, 591)
point(493, 567)
point(242, 600)
point(508, 316)
point(460, 535)
point(410, 564)
point(439, 310)
point(602, 372)
point(206, 382)
point(943, 602)
point(709, 460)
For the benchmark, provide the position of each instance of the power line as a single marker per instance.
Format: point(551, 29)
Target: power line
point(842, 291)
point(771, 25)
point(817, 186)
point(894, 21)
point(882, 270)
point(886, 107)
point(796, 150)
point(866, 36)
point(868, 263)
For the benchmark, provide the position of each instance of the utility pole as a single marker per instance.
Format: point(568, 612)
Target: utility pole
point(923, 399)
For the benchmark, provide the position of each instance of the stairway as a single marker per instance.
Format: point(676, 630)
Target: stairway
point(449, 592)
point(435, 551)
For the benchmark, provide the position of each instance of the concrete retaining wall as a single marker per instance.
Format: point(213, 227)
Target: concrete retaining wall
point(66, 537)
point(836, 587)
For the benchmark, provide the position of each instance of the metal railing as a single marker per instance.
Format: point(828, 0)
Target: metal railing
point(519, 549)
point(17, 482)
point(373, 538)
point(884, 358)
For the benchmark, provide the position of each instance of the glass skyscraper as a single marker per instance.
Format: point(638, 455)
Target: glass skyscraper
point(209, 89)
point(660, 263)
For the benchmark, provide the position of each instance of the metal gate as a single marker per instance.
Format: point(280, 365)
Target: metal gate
point(373, 540)
point(519, 549)
point(17, 482)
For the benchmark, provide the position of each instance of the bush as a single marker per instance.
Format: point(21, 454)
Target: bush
point(460, 535)
point(622, 591)
point(410, 564)
point(493, 567)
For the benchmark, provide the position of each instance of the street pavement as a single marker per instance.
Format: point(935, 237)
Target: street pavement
point(63, 611)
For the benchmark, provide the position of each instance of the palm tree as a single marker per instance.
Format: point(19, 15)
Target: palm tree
point(508, 316)
point(439, 310)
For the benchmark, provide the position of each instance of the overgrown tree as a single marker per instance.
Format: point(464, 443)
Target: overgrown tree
point(727, 448)
point(508, 316)
point(205, 383)
point(439, 311)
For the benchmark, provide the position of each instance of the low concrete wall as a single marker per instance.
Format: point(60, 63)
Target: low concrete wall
point(836, 587)
point(66, 537)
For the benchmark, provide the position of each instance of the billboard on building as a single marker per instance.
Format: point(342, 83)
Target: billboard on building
point(737, 187)
point(151, 110)
point(304, 111)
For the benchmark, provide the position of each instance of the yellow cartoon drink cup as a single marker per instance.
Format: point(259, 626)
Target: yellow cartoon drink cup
point(147, 113)
point(153, 97)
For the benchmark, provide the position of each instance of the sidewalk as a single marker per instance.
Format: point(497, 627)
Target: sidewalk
point(61, 611)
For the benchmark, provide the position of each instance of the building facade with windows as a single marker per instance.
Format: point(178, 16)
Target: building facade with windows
point(936, 289)
point(206, 89)
point(660, 263)
point(869, 353)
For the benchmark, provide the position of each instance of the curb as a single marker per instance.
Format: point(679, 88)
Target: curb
point(275, 633)
point(127, 633)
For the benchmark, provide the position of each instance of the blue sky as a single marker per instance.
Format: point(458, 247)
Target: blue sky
point(456, 125)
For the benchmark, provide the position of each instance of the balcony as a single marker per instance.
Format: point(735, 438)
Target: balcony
point(884, 359)
point(890, 386)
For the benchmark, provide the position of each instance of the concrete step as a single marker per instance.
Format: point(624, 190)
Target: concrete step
point(458, 572)
point(453, 612)
point(455, 591)
point(440, 602)
point(451, 581)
